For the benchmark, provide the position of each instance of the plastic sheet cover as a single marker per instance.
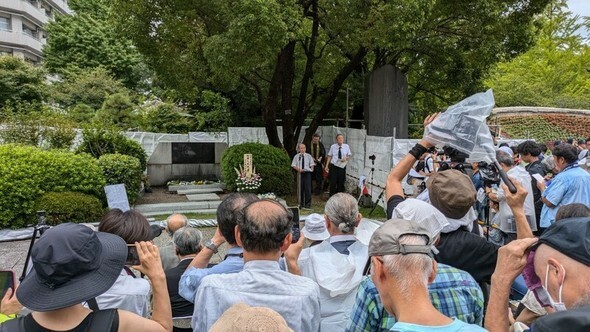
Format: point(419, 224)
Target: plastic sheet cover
point(463, 127)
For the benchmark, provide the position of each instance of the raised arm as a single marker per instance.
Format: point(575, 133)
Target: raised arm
point(516, 203)
point(161, 320)
point(393, 185)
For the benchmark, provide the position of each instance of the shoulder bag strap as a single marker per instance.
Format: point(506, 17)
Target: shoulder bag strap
point(103, 321)
point(13, 325)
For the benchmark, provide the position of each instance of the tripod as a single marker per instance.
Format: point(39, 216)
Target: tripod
point(371, 182)
point(40, 228)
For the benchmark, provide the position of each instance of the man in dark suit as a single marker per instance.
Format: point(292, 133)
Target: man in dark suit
point(318, 153)
point(187, 243)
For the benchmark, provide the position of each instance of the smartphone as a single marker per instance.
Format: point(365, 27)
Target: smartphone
point(295, 228)
point(132, 256)
point(7, 278)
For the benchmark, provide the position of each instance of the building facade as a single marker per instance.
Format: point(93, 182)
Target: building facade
point(22, 26)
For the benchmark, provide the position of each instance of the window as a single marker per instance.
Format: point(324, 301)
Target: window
point(5, 23)
point(30, 32)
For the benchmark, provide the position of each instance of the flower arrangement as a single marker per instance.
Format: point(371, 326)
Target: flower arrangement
point(245, 183)
point(184, 183)
point(267, 196)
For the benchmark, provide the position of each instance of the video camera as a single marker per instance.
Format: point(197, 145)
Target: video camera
point(489, 174)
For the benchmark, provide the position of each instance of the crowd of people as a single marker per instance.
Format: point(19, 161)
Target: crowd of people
point(466, 254)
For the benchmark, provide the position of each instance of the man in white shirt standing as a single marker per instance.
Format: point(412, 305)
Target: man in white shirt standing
point(338, 156)
point(264, 232)
point(303, 164)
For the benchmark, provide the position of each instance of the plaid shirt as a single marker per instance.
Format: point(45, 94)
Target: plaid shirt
point(454, 293)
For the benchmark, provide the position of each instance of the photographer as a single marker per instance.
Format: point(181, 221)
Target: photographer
point(73, 264)
point(128, 292)
point(452, 193)
point(505, 218)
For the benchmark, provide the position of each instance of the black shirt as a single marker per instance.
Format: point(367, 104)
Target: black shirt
point(180, 306)
point(31, 325)
point(461, 249)
point(536, 168)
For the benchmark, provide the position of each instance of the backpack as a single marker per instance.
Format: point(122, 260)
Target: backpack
point(101, 321)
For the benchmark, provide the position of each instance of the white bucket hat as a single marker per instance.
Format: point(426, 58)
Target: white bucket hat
point(315, 228)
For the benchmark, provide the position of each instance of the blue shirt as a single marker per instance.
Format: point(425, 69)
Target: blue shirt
point(260, 284)
point(454, 293)
point(192, 277)
point(455, 326)
point(569, 186)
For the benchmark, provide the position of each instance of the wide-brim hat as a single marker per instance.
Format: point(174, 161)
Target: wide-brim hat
point(71, 264)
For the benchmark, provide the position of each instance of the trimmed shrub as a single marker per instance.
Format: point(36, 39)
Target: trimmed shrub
point(70, 207)
point(99, 141)
point(28, 172)
point(120, 168)
point(273, 165)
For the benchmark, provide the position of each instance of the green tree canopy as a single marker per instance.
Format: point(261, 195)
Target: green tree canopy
point(88, 87)
point(555, 72)
point(20, 82)
point(88, 39)
point(295, 56)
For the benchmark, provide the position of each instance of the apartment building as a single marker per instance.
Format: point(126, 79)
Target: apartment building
point(22, 23)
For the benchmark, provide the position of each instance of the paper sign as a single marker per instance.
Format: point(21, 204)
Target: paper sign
point(539, 178)
point(248, 165)
point(117, 197)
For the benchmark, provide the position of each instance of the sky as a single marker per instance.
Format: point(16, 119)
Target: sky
point(582, 8)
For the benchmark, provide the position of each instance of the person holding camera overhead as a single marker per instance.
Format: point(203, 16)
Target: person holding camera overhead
point(338, 156)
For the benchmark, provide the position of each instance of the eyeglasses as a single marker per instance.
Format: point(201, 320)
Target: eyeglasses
point(369, 266)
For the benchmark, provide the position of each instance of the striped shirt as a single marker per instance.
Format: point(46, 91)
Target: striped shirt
point(260, 284)
point(454, 293)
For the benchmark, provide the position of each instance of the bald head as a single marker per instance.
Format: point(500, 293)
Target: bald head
point(263, 226)
point(175, 222)
point(576, 288)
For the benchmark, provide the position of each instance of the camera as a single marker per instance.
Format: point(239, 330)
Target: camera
point(372, 157)
point(489, 173)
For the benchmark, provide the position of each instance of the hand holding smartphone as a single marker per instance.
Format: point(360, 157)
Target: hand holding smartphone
point(7, 281)
point(132, 256)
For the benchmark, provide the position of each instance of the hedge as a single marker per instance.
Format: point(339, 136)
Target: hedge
point(98, 142)
point(27, 172)
point(273, 165)
point(70, 207)
point(120, 168)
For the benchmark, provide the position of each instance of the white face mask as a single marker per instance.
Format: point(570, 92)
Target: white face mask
point(558, 306)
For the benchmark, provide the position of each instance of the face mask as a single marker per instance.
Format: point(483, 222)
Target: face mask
point(558, 306)
point(533, 282)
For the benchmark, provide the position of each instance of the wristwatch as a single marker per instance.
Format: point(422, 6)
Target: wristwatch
point(209, 244)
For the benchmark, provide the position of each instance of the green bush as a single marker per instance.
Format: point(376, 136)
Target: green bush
point(70, 207)
point(20, 128)
point(100, 141)
point(120, 168)
point(28, 172)
point(273, 165)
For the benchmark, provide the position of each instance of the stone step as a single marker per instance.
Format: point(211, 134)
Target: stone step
point(169, 212)
point(196, 186)
point(202, 197)
point(199, 191)
point(162, 208)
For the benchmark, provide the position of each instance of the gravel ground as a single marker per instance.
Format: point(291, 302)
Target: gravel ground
point(13, 254)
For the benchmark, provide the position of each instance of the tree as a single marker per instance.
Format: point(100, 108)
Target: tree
point(87, 87)
point(554, 73)
point(296, 55)
point(88, 39)
point(20, 82)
